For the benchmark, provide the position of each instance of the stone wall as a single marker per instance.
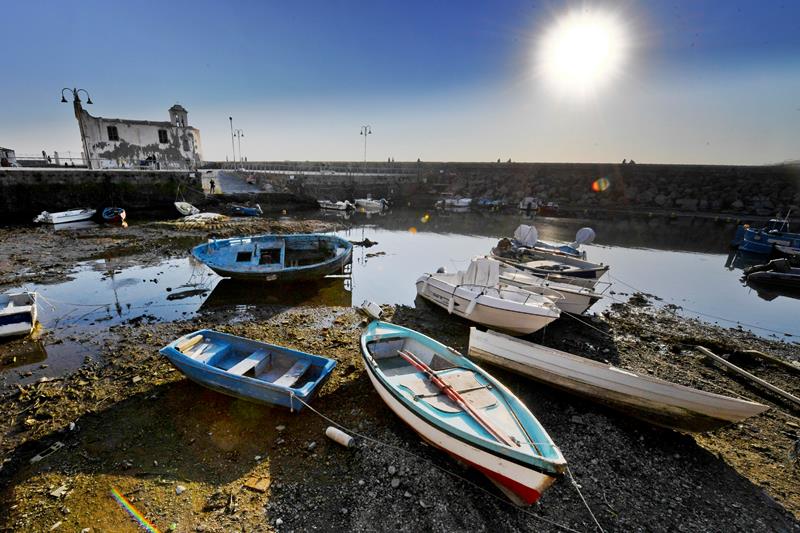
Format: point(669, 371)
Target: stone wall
point(27, 192)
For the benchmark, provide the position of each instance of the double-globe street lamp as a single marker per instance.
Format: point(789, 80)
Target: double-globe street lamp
point(365, 130)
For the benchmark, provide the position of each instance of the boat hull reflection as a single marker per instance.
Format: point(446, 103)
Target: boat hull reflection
point(331, 292)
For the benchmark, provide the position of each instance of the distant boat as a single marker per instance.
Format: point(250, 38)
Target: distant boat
point(654, 400)
point(372, 205)
point(73, 215)
point(529, 203)
point(276, 257)
point(336, 206)
point(448, 202)
point(18, 313)
point(246, 211)
point(548, 209)
point(490, 203)
point(478, 295)
point(185, 208)
point(248, 369)
point(461, 409)
point(114, 215)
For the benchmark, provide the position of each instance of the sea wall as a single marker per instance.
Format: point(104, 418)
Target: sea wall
point(739, 190)
point(25, 192)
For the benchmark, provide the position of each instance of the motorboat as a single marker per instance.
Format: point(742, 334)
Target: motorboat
point(527, 238)
point(293, 257)
point(371, 205)
point(336, 206)
point(764, 240)
point(61, 217)
point(458, 407)
point(478, 295)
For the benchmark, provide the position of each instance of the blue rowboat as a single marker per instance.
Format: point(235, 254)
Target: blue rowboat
point(114, 215)
point(248, 369)
point(245, 211)
point(458, 407)
point(276, 257)
point(765, 240)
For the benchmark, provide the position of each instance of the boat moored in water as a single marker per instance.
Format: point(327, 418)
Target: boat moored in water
point(248, 369)
point(336, 206)
point(275, 257)
point(18, 313)
point(764, 240)
point(461, 409)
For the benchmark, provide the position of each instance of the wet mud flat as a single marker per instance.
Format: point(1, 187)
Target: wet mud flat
point(190, 459)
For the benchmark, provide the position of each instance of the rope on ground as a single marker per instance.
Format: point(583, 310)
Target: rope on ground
point(434, 465)
point(578, 489)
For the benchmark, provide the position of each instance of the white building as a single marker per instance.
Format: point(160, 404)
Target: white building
point(122, 143)
point(9, 156)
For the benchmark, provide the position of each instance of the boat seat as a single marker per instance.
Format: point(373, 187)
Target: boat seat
point(293, 374)
point(248, 363)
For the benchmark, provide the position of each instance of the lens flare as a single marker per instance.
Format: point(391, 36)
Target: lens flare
point(600, 184)
point(425, 218)
point(412, 230)
point(146, 524)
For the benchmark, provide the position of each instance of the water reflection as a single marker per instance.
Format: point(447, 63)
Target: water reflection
point(17, 353)
point(335, 292)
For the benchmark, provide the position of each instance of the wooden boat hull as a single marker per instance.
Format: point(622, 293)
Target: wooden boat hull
point(209, 254)
point(519, 320)
point(18, 314)
point(656, 401)
point(244, 387)
point(523, 481)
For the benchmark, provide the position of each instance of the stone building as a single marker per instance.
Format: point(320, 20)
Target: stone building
point(123, 143)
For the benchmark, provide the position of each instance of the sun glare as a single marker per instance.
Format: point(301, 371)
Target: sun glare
point(582, 52)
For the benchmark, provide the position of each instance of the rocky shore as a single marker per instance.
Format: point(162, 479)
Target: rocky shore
point(193, 460)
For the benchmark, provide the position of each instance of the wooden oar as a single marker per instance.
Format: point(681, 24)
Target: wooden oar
point(454, 396)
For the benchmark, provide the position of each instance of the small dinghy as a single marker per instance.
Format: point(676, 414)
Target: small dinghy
point(186, 209)
point(651, 399)
point(777, 273)
point(114, 215)
point(478, 295)
point(336, 206)
point(245, 211)
point(567, 297)
point(276, 257)
point(73, 215)
point(369, 204)
point(458, 407)
point(17, 313)
point(248, 369)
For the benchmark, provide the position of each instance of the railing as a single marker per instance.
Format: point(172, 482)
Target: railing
point(320, 169)
point(28, 161)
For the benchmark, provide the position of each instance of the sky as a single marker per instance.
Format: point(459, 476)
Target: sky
point(710, 82)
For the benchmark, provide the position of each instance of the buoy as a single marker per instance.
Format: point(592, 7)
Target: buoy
point(340, 437)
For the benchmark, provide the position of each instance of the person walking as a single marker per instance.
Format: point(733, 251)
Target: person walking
point(212, 185)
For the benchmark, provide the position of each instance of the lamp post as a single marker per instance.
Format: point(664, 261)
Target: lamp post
point(76, 100)
point(365, 130)
point(239, 134)
point(233, 147)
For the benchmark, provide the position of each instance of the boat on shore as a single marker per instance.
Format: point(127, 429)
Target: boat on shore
point(461, 409)
point(477, 295)
point(248, 369)
point(648, 398)
point(18, 313)
point(275, 257)
point(114, 215)
point(247, 211)
point(61, 217)
point(567, 297)
point(336, 206)
point(186, 209)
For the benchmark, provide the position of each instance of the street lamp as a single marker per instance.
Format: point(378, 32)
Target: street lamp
point(75, 96)
point(239, 134)
point(233, 147)
point(365, 130)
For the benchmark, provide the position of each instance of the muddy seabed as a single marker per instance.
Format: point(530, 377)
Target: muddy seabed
point(182, 455)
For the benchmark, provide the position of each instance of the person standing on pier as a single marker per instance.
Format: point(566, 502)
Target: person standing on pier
point(212, 185)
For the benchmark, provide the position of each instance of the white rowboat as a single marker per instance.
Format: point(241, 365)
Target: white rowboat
point(651, 399)
point(17, 313)
point(73, 215)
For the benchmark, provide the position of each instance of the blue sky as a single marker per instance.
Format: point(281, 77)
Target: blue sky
point(704, 81)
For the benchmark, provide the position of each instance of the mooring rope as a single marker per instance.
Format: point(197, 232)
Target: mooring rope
point(292, 397)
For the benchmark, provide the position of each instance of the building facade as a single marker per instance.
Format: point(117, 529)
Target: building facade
point(122, 143)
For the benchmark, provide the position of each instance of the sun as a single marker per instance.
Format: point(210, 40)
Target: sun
point(582, 52)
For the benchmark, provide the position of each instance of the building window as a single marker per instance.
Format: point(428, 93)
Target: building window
point(162, 136)
point(113, 135)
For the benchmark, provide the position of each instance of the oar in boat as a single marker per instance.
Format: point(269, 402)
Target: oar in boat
point(454, 396)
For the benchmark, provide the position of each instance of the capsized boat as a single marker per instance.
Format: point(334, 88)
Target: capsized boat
point(73, 215)
point(246, 211)
point(567, 297)
point(461, 409)
point(248, 369)
point(18, 313)
point(651, 399)
point(275, 257)
point(478, 295)
point(336, 206)
point(114, 215)
point(186, 209)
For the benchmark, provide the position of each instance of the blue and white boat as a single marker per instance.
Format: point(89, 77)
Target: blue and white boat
point(775, 235)
point(246, 211)
point(458, 407)
point(248, 369)
point(18, 313)
point(294, 257)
